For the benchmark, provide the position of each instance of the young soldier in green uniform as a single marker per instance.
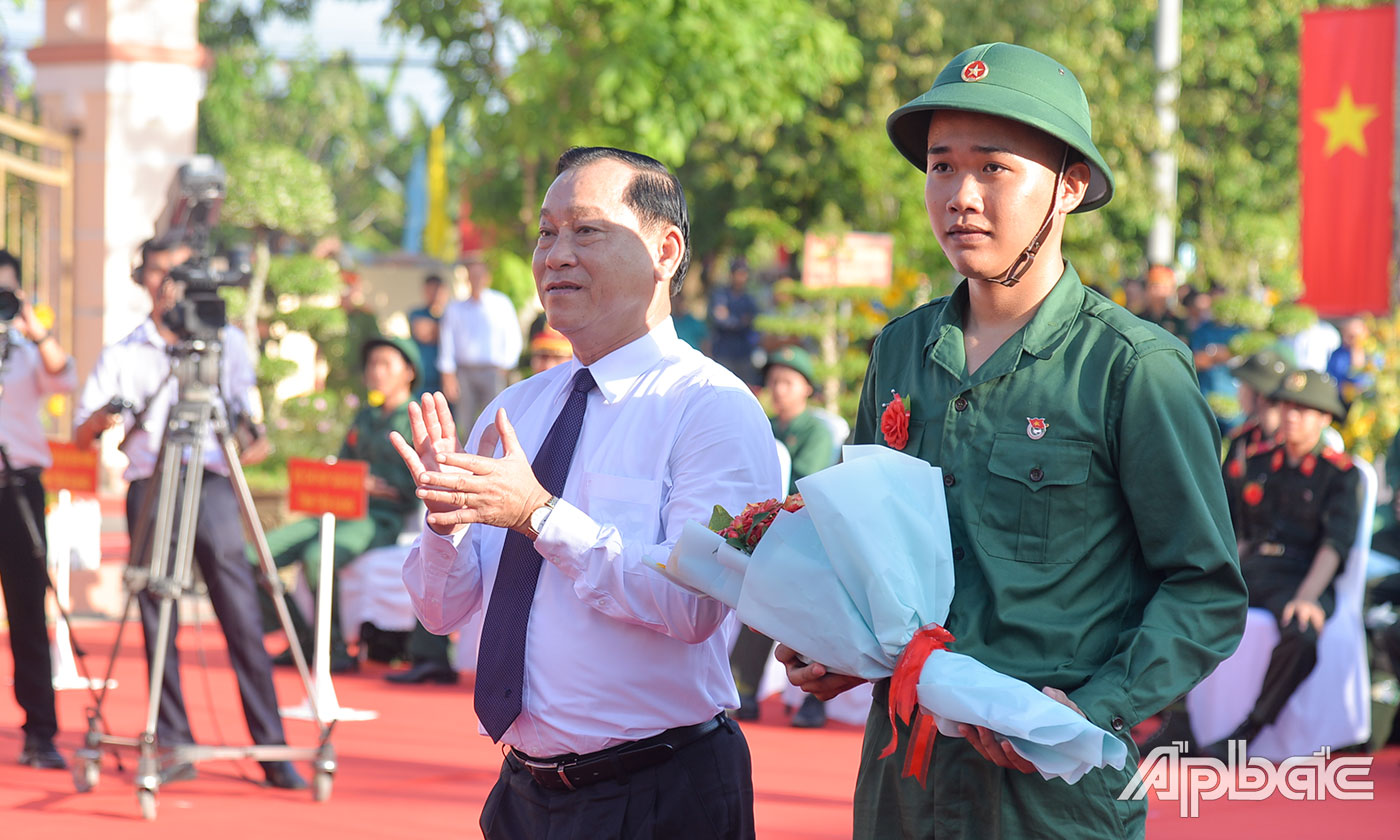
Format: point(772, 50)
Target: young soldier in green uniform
point(790, 381)
point(1091, 538)
point(391, 367)
point(1297, 509)
point(1258, 376)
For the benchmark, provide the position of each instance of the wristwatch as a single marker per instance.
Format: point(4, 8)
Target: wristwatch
point(538, 517)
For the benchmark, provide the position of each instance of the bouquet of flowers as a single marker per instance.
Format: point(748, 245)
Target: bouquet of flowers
point(857, 573)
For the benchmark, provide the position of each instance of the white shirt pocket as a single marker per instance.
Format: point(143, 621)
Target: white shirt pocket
point(631, 505)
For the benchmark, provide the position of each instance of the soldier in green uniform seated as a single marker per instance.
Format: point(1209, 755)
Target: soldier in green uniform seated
point(391, 367)
point(1297, 508)
point(790, 381)
point(1091, 538)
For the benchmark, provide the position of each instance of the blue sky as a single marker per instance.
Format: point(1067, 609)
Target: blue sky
point(337, 25)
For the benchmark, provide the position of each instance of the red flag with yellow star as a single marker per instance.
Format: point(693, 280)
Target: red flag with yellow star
point(1345, 158)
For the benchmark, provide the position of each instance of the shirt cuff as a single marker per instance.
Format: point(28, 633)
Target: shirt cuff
point(568, 535)
point(1106, 706)
point(440, 550)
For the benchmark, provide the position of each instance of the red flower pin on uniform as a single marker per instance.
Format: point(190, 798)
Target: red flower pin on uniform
point(1253, 493)
point(894, 423)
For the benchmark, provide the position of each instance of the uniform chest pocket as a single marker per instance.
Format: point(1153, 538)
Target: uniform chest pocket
point(631, 505)
point(1034, 504)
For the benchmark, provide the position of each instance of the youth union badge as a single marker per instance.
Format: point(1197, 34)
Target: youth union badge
point(1035, 427)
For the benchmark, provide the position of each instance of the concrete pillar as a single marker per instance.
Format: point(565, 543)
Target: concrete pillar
point(125, 78)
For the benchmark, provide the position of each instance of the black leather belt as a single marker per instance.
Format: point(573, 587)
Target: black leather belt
point(571, 772)
point(27, 475)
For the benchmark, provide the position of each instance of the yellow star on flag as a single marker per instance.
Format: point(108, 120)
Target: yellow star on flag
point(1346, 123)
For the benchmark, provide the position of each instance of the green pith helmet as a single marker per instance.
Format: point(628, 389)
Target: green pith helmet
point(1017, 83)
point(797, 359)
point(403, 345)
point(1264, 371)
point(1311, 389)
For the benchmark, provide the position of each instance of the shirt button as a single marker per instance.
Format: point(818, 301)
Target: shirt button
point(960, 404)
point(1117, 723)
point(1037, 474)
point(958, 553)
point(948, 480)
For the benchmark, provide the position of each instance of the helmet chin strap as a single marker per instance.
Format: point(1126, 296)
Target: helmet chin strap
point(1023, 263)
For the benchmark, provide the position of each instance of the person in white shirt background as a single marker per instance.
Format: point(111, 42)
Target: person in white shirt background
point(137, 369)
point(479, 343)
point(32, 367)
point(618, 709)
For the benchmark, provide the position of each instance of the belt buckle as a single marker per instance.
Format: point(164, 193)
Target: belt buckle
point(559, 768)
point(1271, 549)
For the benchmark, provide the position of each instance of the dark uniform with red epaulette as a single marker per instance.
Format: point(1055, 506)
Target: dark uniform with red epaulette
point(1284, 513)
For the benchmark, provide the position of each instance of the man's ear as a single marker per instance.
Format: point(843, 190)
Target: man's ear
point(1073, 186)
point(669, 251)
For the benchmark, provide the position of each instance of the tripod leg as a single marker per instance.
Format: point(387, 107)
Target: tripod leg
point(271, 582)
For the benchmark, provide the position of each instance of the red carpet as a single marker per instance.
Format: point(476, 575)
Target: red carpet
point(421, 771)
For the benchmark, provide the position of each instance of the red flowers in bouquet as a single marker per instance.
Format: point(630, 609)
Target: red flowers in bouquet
point(894, 423)
point(745, 530)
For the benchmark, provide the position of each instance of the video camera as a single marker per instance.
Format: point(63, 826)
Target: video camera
point(191, 211)
point(9, 306)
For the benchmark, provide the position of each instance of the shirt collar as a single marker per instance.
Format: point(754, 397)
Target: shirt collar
point(1046, 329)
point(616, 372)
point(150, 334)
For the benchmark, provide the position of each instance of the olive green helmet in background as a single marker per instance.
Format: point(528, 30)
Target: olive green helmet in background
point(1017, 83)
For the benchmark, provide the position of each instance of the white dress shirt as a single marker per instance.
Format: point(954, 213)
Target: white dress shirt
point(479, 332)
point(137, 369)
point(614, 651)
point(23, 384)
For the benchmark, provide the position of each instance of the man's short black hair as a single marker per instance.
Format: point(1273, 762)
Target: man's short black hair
point(8, 259)
point(655, 194)
point(432, 280)
point(155, 245)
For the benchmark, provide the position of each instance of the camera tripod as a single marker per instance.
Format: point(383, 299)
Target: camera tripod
point(165, 542)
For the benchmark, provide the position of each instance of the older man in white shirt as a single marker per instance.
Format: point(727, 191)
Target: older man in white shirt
point(607, 681)
point(479, 344)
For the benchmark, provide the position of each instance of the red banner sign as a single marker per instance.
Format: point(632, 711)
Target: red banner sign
point(852, 259)
point(320, 487)
point(74, 469)
point(1345, 156)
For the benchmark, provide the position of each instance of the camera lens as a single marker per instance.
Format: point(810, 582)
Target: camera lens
point(9, 305)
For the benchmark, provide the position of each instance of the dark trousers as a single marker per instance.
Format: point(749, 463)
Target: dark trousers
point(749, 658)
point(705, 792)
point(1387, 590)
point(23, 576)
point(219, 553)
point(1272, 583)
point(424, 646)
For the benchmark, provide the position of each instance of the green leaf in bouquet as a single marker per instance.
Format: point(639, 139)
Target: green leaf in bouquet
point(720, 519)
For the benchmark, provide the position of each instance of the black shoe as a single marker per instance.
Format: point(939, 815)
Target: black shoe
point(182, 772)
point(423, 672)
point(281, 774)
point(341, 663)
point(812, 714)
point(42, 755)
point(748, 708)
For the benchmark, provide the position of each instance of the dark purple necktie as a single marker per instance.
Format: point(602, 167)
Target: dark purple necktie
point(500, 663)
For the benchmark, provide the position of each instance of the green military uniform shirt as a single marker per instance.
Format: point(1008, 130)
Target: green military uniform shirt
point(808, 441)
point(1289, 511)
point(368, 440)
point(1091, 541)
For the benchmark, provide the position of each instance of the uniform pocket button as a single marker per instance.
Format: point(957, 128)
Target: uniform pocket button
point(1037, 474)
point(960, 404)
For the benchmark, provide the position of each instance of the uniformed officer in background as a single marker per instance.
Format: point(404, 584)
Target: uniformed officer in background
point(32, 367)
point(1297, 508)
point(392, 367)
point(791, 383)
point(1091, 537)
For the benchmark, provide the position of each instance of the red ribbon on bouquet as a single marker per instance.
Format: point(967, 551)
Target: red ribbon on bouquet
point(904, 701)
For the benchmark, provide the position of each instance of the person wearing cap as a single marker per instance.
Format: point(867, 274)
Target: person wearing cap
point(1091, 537)
point(549, 348)
point(791, 382)
point(1297, 509)
point(1256, 378)
point(391, 368)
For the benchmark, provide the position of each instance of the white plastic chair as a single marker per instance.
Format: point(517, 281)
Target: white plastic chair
point(1332, 707)
point(840, 430)
point(784, 466)
point(371, 588)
